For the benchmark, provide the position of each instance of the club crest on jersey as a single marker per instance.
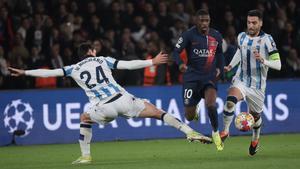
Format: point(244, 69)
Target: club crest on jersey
point(180, 40)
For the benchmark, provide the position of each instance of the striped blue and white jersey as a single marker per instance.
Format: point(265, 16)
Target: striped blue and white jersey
point(94, 76)
point(252, 72)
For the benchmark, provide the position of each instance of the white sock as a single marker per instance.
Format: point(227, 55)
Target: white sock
point(256, 131)
point(227, 120)
point(172, 121)
point(85, 138)
point(228, 112)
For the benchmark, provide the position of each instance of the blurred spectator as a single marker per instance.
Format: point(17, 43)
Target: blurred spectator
point(19, 56)
point(37, 60)
point(95, 30)
point(98, 46)
point(176, 30)
point(180, 14)
point(128, 14)
point(122, 29)
point(6, 29)
point(56, 59)
point(155, 75)
point(74, 8)
point(3, 65)
point(25, 24)
point(127, 48)
point(35, 34)
point(230, 21)
point(289, 48)
point(138, 28)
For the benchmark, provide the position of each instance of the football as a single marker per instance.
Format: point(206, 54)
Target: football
point(244, 121)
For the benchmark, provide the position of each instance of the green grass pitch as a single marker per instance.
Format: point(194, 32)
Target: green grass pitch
point(277, 152)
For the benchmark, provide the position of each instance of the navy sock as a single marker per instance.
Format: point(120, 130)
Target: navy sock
point(213, 117)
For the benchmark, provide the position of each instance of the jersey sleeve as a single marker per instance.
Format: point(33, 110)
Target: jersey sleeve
point(271, 45)
point(240, 38)
point(68, 70)
point(111, 62)
point(180, 45)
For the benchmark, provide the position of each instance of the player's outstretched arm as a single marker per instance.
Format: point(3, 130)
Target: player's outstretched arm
point(161, 58)
point(36, 72)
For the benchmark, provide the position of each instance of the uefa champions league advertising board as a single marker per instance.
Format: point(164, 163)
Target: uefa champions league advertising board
point(52, 116)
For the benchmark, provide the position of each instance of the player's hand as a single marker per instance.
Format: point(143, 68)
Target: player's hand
point(258, 57)
point(16, 72)
point(161, 58)
point(182, 67)
point(227, 68)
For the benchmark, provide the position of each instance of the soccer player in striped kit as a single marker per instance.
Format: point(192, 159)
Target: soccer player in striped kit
point(108, 99)
point(256, 53)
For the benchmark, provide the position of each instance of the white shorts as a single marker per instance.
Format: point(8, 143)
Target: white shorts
point(126, 106)
point(254, 97)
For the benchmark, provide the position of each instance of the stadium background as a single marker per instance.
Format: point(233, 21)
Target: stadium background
point(46, 34)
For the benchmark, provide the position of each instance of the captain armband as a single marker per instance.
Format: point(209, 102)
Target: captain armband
point(274, 56)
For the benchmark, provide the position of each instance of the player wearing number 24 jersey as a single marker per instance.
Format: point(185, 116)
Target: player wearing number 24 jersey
point(109, 100)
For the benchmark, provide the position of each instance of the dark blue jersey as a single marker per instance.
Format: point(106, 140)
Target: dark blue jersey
point(204, 54)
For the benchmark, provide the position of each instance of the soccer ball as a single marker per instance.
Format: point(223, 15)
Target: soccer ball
point(18, 116)
point(244, 121)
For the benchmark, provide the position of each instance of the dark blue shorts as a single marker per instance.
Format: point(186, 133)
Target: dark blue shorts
point(193, 91)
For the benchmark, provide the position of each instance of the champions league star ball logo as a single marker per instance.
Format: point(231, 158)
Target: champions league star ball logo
point(18, 116)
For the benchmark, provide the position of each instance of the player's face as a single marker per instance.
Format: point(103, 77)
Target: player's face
point(254, 25)
point(203, 23)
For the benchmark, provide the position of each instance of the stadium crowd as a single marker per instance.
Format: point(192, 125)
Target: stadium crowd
point(46, 34)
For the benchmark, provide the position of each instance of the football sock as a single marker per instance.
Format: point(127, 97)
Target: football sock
point(85, 138)
point(213, 117)
point(256, 129)
point(172, 121)
point(229, 112)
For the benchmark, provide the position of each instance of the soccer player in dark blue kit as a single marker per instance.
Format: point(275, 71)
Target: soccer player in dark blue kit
point(204, 66)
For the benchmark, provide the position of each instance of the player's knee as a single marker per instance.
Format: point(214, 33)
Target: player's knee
point(255, 115)
point(157, 113)
point(190, 114)
point(230, 103)
point(211, 108)
point(85, 117)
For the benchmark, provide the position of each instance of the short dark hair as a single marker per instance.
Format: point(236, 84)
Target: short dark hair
point(202, 12)
point(84, 48)
point(255, 12)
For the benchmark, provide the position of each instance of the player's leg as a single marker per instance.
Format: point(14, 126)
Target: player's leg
point(255, 101)
point(151, 111)
point(234, 95)
point(102, 115)
point(210, 96)
point(190, 100)
point(85, 138)
point(253, 148)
